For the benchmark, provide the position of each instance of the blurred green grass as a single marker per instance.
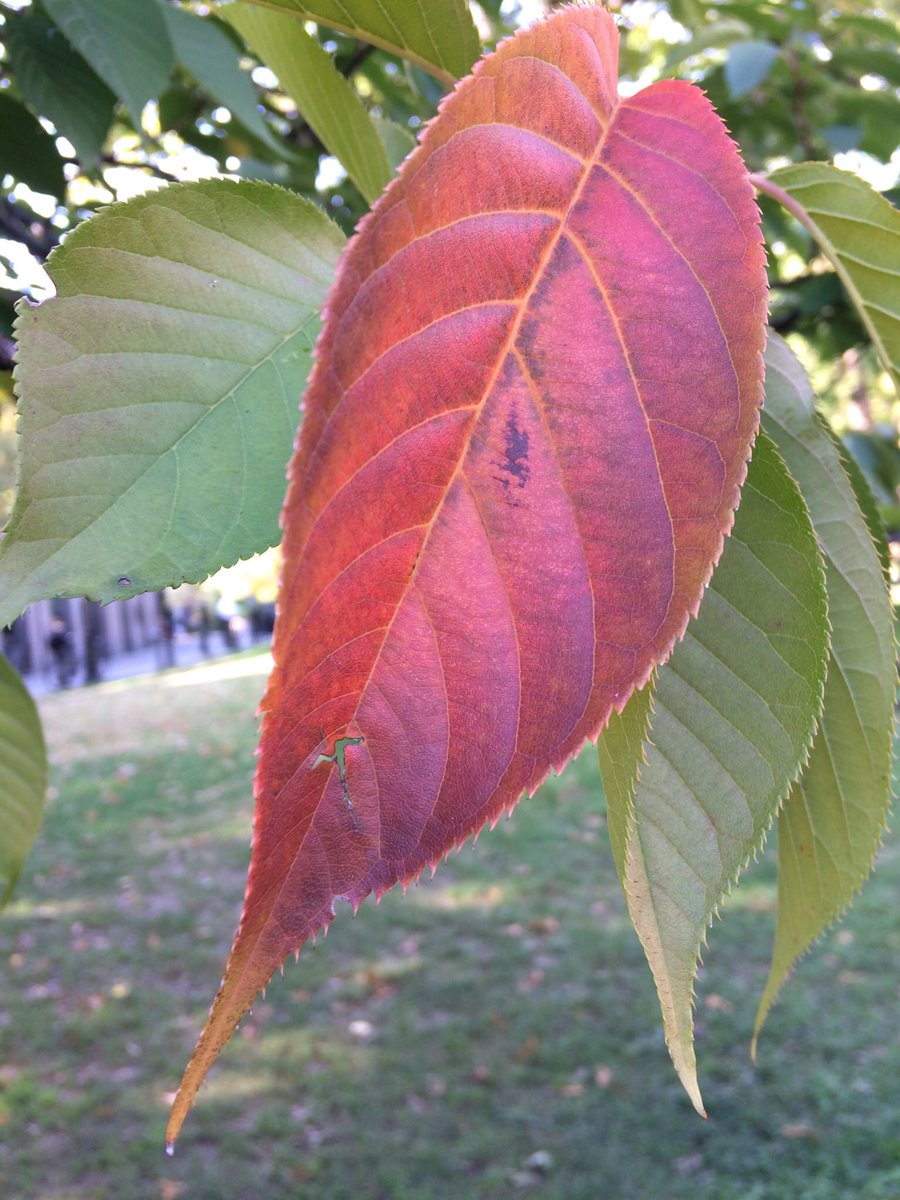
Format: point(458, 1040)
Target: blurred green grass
point(493, 1033)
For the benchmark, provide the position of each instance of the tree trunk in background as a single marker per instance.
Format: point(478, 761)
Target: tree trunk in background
point(93, 641)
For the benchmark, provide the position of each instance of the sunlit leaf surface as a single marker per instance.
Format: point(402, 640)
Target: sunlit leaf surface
point(159, 390)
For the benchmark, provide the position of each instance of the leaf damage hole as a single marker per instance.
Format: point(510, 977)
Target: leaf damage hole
point(338, 757)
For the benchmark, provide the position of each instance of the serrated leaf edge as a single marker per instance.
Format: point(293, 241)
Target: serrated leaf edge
point(770, 994)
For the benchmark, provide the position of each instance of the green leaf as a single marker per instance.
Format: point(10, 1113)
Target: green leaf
point(762, 17)
point(58, 83)
point(23, 776)
point(831, 824)
point(204, 48)
point(438, 35)
point(850, 24)
point(713, 37)
point(747, 66)
point(865, 497)
point(694, 771)
point(125, 41)
point(877, 112)
point(859, 231)
point(27, 151)
point(878, 454)
point(323, 96)
point(868, 61)
point(397, 141)
point(159, 390)
point(621, 750)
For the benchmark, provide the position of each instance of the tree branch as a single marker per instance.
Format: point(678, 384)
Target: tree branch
point(798, 109)
point(362, 53)
point(7, 350)
point(35, 233)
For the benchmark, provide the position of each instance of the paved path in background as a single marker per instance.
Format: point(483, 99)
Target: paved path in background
point(186, 652)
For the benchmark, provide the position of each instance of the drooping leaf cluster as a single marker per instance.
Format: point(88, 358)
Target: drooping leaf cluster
point(534, 397)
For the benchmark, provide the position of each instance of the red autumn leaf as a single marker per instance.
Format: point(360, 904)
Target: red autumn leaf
point(525, 434)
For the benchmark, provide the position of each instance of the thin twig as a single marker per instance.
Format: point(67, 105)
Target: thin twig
point(798, 98)
point(362, 53)
point(35, 233)
point(107, 160)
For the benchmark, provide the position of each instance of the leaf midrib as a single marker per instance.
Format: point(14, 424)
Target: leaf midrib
point(508, 347)
point(504, 351)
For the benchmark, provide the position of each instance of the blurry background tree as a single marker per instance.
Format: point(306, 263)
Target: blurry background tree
point(103, 99)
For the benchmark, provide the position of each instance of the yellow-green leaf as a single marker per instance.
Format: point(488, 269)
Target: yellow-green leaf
point(323, 96)
point(23, 776)
point(859, 231)
point(438, 35)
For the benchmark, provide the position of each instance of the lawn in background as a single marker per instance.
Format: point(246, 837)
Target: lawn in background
point(492, 1034)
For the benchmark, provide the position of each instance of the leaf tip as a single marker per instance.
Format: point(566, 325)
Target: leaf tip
point(772, 988)
point(688, 1076)
point(221, 1023)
